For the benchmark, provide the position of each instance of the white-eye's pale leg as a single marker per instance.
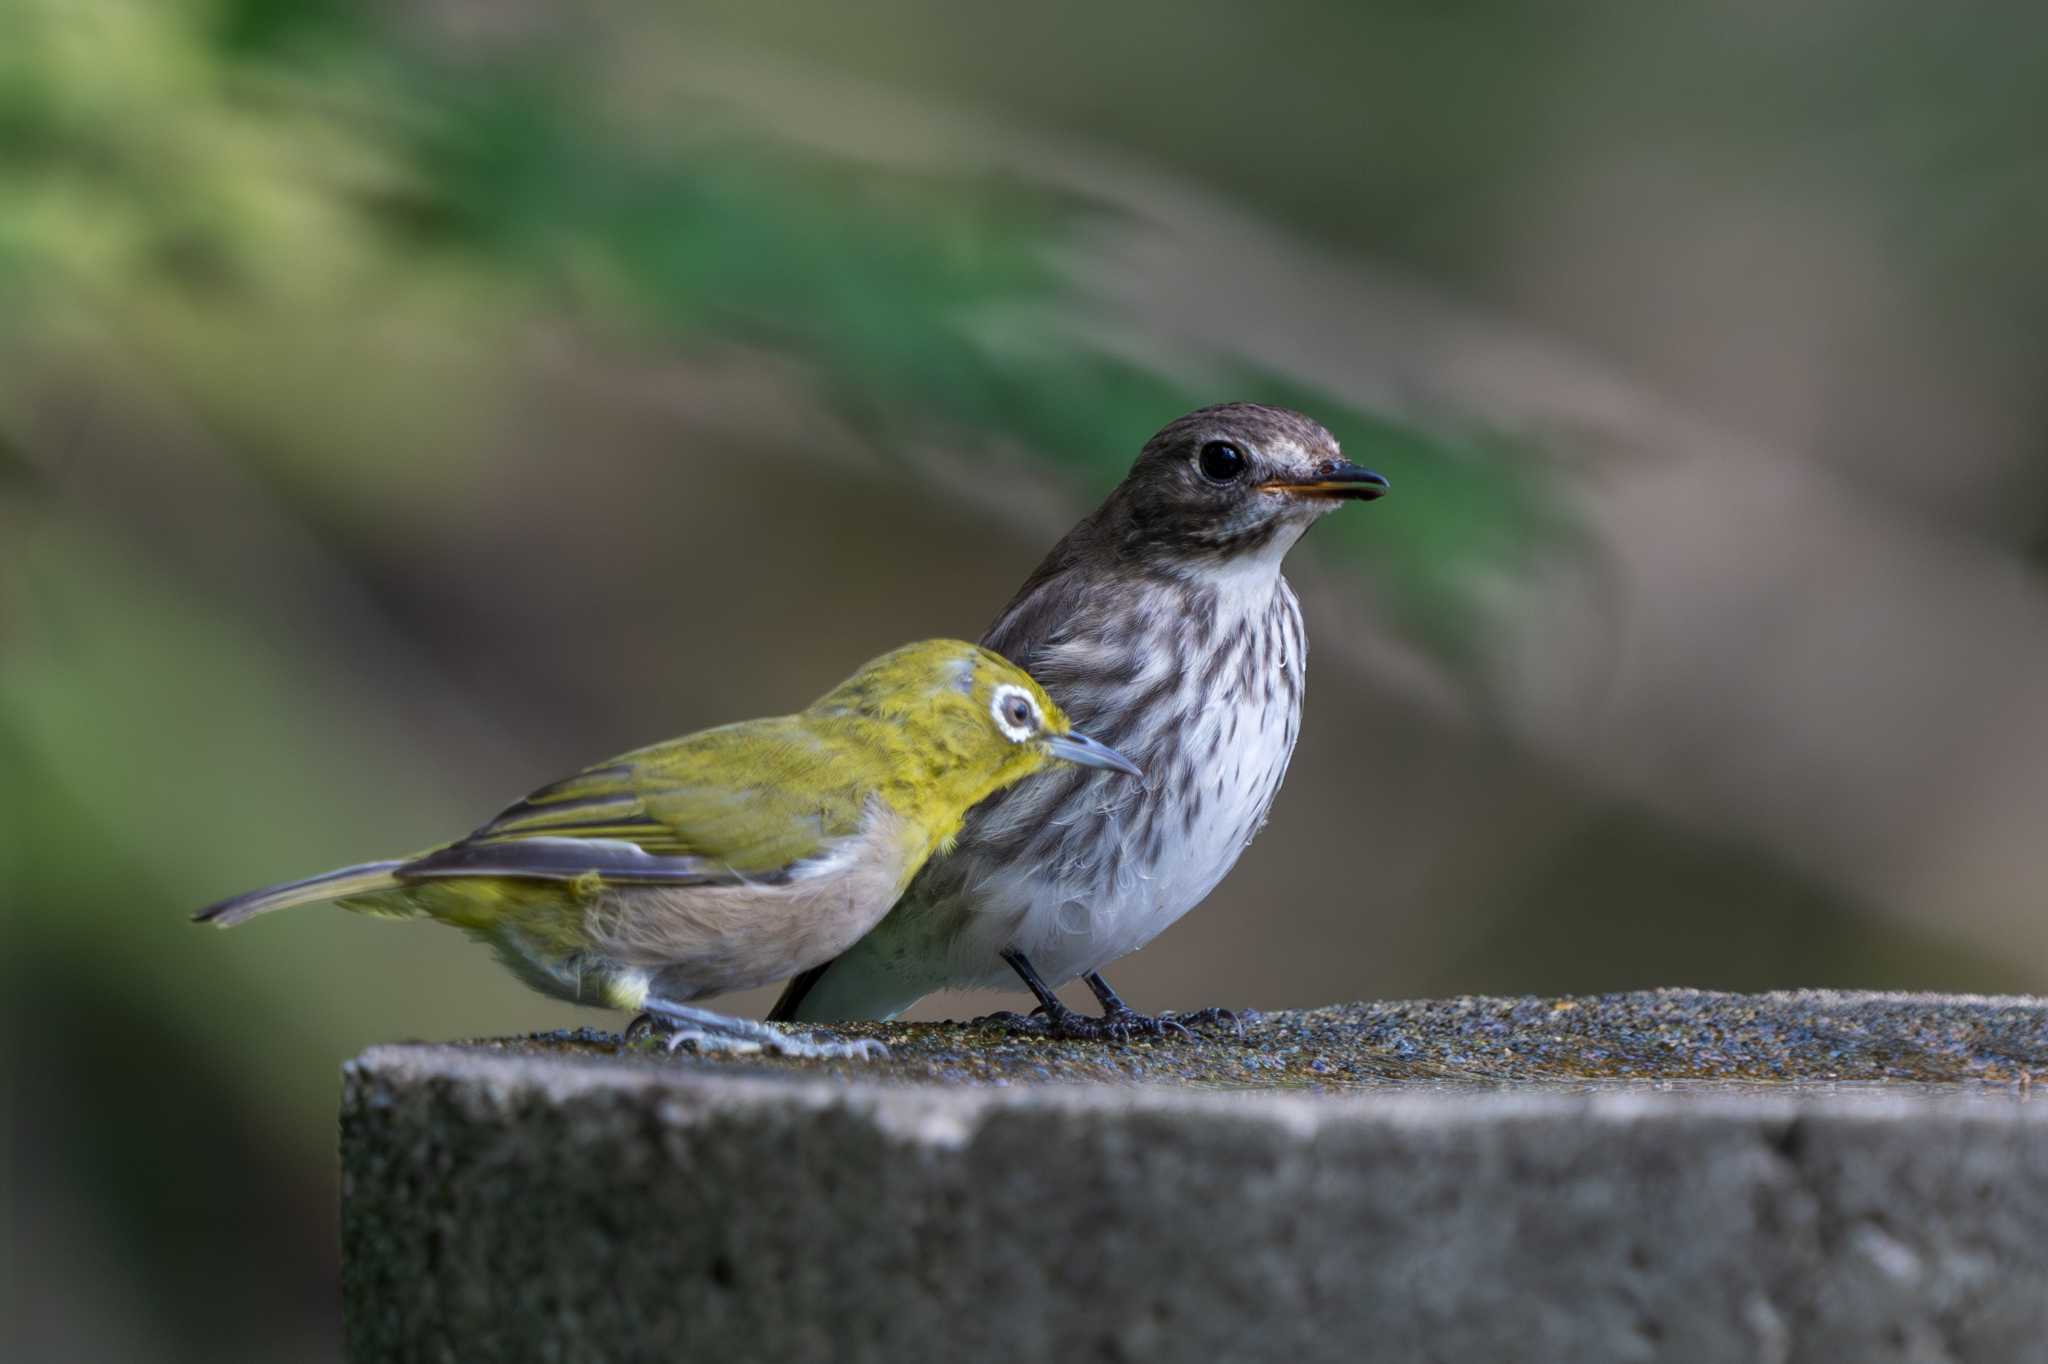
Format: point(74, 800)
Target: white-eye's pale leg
point(710, 1031)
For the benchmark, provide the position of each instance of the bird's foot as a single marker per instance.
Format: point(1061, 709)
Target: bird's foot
point(813, 1047)
point(643, 1025)
point(1212, 1018)
point(1123, 1023)
point(708, 1032)
point(1118, 1025)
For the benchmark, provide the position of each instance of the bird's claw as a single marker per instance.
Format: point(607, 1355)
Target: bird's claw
point(1034, 1022)
point(830, 1049)
point(704, 1042)
point(1211, 1018)
point(643, 1025)
point(744, 1037)
point(1124, 1023)
point(1119, 1025)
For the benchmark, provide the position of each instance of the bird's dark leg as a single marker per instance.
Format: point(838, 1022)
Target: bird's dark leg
point(1113, 1007)
point(1119, 1015)
point(1051, 1017)
point(1119, 1021)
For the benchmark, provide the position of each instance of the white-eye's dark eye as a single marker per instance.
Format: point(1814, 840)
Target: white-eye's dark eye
point(1018, 712)
point(1221, 462)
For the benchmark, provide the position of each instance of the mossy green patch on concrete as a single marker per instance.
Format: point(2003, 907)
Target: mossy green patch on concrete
point(1661, 1035)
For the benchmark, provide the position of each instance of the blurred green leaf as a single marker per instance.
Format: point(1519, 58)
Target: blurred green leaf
point(350, 228)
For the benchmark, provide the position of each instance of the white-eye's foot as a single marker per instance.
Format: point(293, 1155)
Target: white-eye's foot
point(704, 1042)
point(708, 1031)
point(831, 1049)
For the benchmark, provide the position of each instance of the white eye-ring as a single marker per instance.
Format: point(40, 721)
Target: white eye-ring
point(1014, 712)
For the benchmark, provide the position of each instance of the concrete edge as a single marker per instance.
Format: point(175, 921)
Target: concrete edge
point(685, 1093)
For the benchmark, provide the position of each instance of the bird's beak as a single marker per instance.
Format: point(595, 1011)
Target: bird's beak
point(1077, 747)
point(1333, 480)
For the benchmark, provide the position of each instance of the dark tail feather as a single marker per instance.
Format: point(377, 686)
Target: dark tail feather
point(332, 885)
point(793, 993)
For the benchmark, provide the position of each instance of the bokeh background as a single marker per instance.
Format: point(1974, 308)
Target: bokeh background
point(402, 404)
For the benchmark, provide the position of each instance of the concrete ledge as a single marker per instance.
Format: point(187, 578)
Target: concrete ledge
point(537, 1201)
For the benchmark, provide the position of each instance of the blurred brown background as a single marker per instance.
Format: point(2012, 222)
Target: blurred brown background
point(402, 405)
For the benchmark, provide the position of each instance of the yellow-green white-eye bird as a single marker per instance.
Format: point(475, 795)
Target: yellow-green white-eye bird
point(731, 857)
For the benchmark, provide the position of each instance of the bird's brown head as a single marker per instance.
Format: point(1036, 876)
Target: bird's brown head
point(1231, 481)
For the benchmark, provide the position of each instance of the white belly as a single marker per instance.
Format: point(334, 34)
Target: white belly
point(1070, 922)
point(1137, 860)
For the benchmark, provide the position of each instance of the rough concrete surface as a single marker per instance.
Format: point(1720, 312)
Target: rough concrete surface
point(544, 1199)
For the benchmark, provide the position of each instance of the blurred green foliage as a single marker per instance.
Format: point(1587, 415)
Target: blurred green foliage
point(247, 206)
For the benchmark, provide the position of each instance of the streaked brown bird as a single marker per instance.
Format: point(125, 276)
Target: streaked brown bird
point(1162, 624)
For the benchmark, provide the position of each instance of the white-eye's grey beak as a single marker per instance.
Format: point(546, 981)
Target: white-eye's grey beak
point(1077, 747)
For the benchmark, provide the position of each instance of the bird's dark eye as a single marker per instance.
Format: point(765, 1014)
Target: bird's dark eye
point(1221, 461)
point(1018, 712)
